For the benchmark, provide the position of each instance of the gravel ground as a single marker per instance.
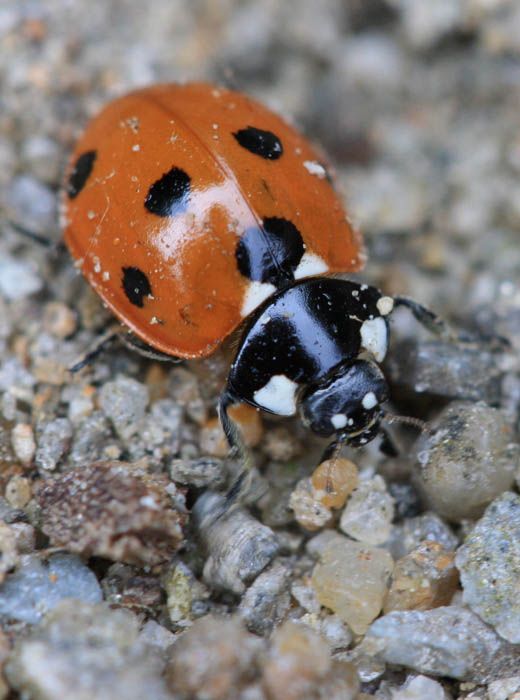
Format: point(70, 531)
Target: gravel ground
point(404, 584)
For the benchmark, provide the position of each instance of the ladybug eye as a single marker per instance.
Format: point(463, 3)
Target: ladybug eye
point(262, 143)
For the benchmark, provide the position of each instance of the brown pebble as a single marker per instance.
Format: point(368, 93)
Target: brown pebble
point(213, 660)
point(23, 442)
point(59, 320)
point(280, 444)
point(213, 441)
point(426, 578)
point(18, 491)
point(8, 550)
point(299, 666)
point(333, 481)
point(309, 512)
point(110, 510)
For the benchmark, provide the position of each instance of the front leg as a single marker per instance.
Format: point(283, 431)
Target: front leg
point(440, 328)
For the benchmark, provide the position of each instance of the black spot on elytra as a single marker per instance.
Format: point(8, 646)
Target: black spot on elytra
point(261, 143)
point(270, 253)
point(169, 194)
point(80, 173)
point(136, 285)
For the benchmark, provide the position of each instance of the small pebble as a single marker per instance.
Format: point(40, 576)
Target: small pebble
point(239, 547)
point(489, 565)
point(124, 402)
point(411, 533)
point(449, 641)
point(305, 595)
point(178, 586)
point(205, 472)
point(505, 689)
point(468, 459)
point(128, 587)
point(157, 638)
point(91, 437)
point(309, 512)
point(351, 580)
point(25, 537)
point(213, 660)
point(8, 549)
point(38, 586)
point(59, 320)
point(333, 481)
point(369, 513)
point(18, 491)
point(267, 601)
point(109, 510)
point(426, 578)
point(420, 688)
point(18, 278)
point(86, 651)
point(280, 444)
point(22, 440)
point(53, 442)
point(298, 665)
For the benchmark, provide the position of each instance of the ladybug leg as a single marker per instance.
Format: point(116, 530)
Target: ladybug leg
point(427, 318)
point(387, 446)
point(136, 345)
point(100, 344)
point(436, 325)
point(240, 487)
point(333, 449)
point(54, 246)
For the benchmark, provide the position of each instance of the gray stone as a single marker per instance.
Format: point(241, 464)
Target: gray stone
point(18, 278)
point(124, 401)
point(449, 641)
point(489, 564)
point(408, 535)
point(468, 459)
point(86, 652)
point(38, 586)
point(450, 370)
point(53, 441)
point(266, 602)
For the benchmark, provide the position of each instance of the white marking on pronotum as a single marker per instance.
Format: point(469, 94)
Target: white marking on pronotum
point(256, 293)
point(315, 168)
point(369, 400)
point(309, 266)
point(374, 337)
point(339, 420)
point(385, 305)
point(278, 395)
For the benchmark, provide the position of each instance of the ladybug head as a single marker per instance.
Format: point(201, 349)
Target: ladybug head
point(348, 403)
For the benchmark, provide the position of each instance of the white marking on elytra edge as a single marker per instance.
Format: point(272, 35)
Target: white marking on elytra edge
point(309, 266)
point(278, 395)
point(374, 337)
point(256, 293)
point(385, 305)
point(315, 168)
point(369, 400)
point(339, 420)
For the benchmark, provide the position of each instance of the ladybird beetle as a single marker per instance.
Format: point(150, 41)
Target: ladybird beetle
point(192, 209)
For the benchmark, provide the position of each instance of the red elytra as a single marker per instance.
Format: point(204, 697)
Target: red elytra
point(186, 206)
